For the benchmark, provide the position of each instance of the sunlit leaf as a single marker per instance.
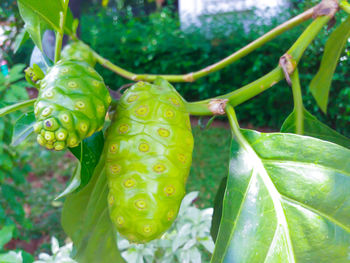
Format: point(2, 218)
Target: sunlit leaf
point(314, 128)
point(321, 83)
point(39, 16)
point(287, 200)
point(73, 184)
point(23, 128)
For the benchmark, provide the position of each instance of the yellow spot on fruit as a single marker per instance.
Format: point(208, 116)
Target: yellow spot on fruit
point(169, 114)
point(83, 127)
point(182, 158)
point(59, 146)
point(128, 183)
point(142, 111)
point(163, 132)
point(72, 84)
point(40, 139)
point(140, 83)
point(96, 83)
point(141, 204)
point(147, 229)
point(109, 99)
point(61, 136)
point(159, 168)
point(49, 136)
point(115, 168)
point(175, 101)
point(113, 148)
point(101, 109)
point(46, 112)
point(132, 98)
point(80, 104)
point(72, 141)
point(37, 127)
point(48, 94)
point(170, 215)
point(65, 118)
point(111, 200)
point(169, 190)
point(143, 147)
point(124, 128)
point(120, 220)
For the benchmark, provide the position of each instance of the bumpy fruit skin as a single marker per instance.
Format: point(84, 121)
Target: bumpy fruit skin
point(149, 153)
point(71, 105)
point(78, 51)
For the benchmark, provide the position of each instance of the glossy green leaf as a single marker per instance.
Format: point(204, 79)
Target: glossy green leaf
point(314, 128)
point(14, 107)
point(287, 200)
point(321, 83)
point(23, 128)
point(6, 234)
point(22, 37)
point(215, 223)
point(39, 16)
point(85, 219)
point(88, 153)
point(73, 184)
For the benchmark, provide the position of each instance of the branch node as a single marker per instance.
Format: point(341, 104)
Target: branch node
point(188, 77)
point(217, 106)
point(326, 8)
point(288, 65)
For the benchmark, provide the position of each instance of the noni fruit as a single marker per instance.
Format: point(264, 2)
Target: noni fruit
point(78, 51)
point(149, 153)
point(71, 105)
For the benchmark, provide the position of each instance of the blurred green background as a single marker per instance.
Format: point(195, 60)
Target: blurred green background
point(146, 37)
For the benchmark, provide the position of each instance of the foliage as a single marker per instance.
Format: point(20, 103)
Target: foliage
point(13, 167)
point(285, 197)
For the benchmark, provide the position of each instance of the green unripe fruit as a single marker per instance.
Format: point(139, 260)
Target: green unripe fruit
point(78, 51)
point(71, 105)
point(149, 154)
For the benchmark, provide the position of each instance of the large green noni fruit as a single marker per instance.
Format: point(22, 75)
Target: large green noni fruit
point(78, 51)
point(149, 153)
point(71, 105)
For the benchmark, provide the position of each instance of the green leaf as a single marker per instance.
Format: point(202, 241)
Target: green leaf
point(39, 16)
point(287, 200)
point(14, 107)
point(73, 184)
point(321, 83)
point(6, 235)
point(215, 223)
point(22, 37)
point(314, 128)
point(88, 153)
point(85, 219)
point(23, 128)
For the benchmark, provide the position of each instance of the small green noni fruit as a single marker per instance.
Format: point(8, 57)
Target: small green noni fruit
point(71, 105)
point(149, 153)
point(78, 51)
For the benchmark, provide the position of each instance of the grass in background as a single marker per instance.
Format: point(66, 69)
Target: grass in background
point(210, 163)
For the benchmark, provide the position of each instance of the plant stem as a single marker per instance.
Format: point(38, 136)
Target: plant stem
point(8, 109)
point(60, 33)
point(190, 77)
point(345, 6)
point(298, 102)
point(251, 90)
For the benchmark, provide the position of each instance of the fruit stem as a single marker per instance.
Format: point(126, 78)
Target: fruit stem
point(298, 102)
point(249, 91)
point(190, 77)
point(60, 33)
